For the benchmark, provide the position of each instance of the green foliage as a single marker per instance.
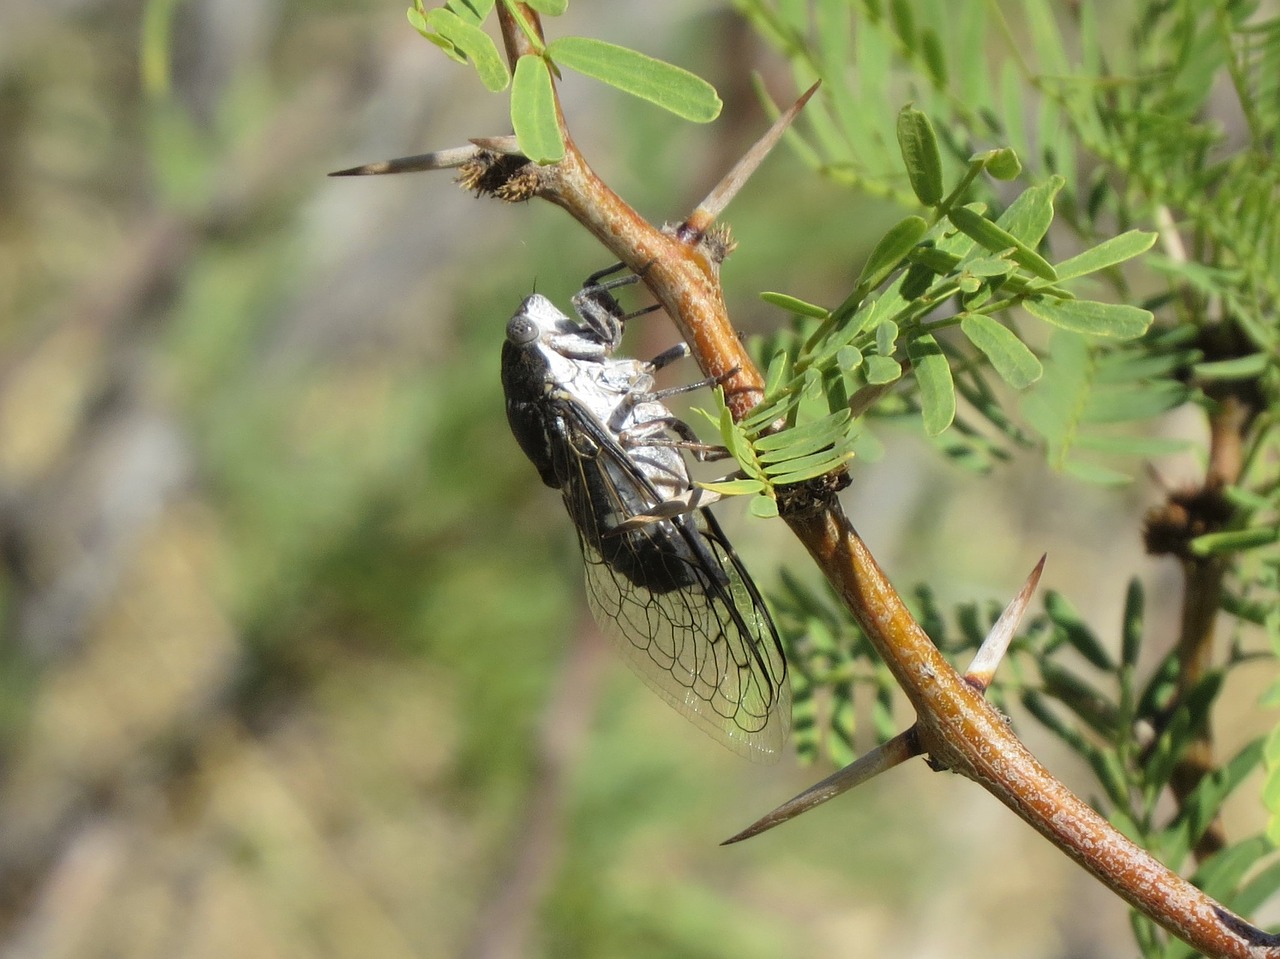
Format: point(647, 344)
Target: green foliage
point(959, 268)
point(533, 112)
point(1133, 733)
point(684, 94)
point(1104, 116)
point(1140, 122)
point(1130, 730)
point(832, 663)
point(456, 29)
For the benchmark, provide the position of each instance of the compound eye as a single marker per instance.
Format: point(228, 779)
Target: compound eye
point(521, 330)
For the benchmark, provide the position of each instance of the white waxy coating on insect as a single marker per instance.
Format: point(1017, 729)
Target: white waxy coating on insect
point(672, 595)
point(584, 367)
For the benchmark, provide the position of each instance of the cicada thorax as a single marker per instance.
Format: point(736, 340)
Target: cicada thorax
point(662, 581)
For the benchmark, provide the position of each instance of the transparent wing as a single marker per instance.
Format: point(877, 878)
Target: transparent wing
point(675, 598)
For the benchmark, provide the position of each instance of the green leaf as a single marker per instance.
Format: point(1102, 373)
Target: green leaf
point(807, 467)
point(844, 726)
point(1221, 873)
point(776, 374)
point(1233, 541)
point(474, 12)
point(550, 8)
point(814, 436)
point(903, 22)
point(533, 112)
point(1009, 356)
point(1183, 726)
point(1030, 214)
point(1038, 706)
point(1137, 402)
point(1003, 164)
point(794, 305)
point(1160, 689)
point(1090, 317)
point(419, 22)
point(1109, 253)
point(886, 338)
point(934, 259)
point(882, 369)
point(1129, 366)
point(764, 507)
point(1075, 632)
point(1080, 696)
point(1240, 368)
point(738, 487)
point(1131, 627)
point(1271, 787)
point(1257, 890)
point(934, 59)
point(737, 444)
point(937, 390)
point(987, 266)
point(683, 93)
point(848, 358)
point(888, 254)
point(473, 42)
point(997, 239)
point(1107, 767)
point(919, 146)
point(1201, 807)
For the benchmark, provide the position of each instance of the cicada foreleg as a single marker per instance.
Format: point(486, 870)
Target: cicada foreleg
point(600, 310)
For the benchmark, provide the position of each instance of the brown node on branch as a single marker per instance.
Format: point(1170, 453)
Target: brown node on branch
point(954, 724)
point(718, 242)
point(1169, 529)
point(508, 177)
point(811, 496)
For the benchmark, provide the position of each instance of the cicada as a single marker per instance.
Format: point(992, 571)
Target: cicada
point(662, 580)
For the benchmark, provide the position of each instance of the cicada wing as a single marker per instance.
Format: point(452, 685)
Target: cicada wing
point(708, 650)
point(677, 602)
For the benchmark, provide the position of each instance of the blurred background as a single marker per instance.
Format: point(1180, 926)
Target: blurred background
point(295, 660)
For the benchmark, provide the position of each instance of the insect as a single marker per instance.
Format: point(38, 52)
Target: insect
point(670, 592)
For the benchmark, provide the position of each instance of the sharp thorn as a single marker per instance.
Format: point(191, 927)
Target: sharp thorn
point(506, 145)
point(437, 160)
point(983, 668)
point(897, 750)
point(710, 208)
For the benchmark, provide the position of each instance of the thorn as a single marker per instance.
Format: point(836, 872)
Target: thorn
point(439, 160)
point(710, 208)
point(897, 750)
point(983, 668)
point(505, 145)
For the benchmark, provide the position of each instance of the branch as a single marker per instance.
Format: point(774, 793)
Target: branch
point(1186, 514)
point(955, 725)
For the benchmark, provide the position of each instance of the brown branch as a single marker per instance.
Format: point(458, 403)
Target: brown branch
point(1170, 528)
point(964, 733)
point(1203, 578)
point(955, 725)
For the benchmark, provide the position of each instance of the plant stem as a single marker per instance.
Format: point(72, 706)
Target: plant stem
point(1201, 600)
point(956, 725)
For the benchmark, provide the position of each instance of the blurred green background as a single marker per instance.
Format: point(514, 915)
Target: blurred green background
point(295, 654)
